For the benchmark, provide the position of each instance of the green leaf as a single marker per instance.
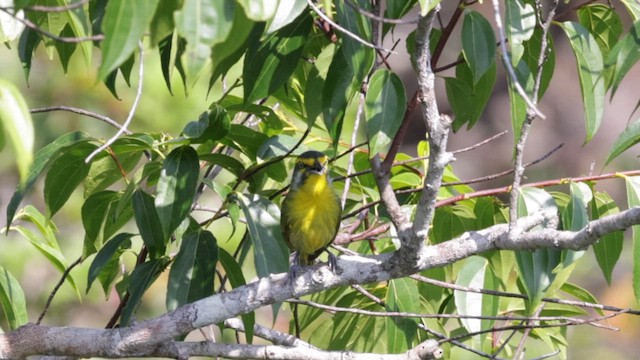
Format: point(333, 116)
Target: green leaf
point(402, 296)
point(171, 49)
point(163, 22)
point(148, 222)
point(29, 41)
point(107, 257)
point(271, 255)
point(451, 221)
point(65, 49)
point(629, 137)
point(536, 268)
point(520, 22)
point(202, 23)
point(609, 247)
point(286, 12)
point(177, 187)
point(468, 100)
point(10, 26)
point(141, 278)
point(633, 199)
point(230, 164)
point(526, 71)
point(67, 172)
point(269, 64)
point(603, 23)
point(12, 300)
point(258, 10)
point(476, 273)
point(633, 8)
point(15, 118)
point(590, 71)
point(315, 83)
point(623, 56)
point(126, 153)
point(234, 272)
point(210, 126)
point(581, 294)
point(245, 139)
point(349, 67)
point(340, 86)
point(226, 54)
point(575, 216)
point(41, 159)
point(101, 219)
point(123, 25)
point(478, 44)
point(193, 269)
point(385, 104)
point(45, 242)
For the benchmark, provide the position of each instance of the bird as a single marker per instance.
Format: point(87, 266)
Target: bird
point(311, 211)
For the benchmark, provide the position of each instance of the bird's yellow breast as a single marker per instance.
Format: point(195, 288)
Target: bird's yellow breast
point(314, 215)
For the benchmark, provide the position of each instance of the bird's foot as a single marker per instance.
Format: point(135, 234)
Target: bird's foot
point(293, 272)
point(333, 262)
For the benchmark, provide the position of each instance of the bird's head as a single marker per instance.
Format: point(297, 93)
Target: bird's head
point(309, 163)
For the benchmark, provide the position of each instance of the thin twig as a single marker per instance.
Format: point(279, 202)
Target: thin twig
point(63, 8)
point(345, 31)
point(354, 138)
point(79, 111)
point(64, 276)
point(131, 112)
point(400, 314)
point(477, 145)
point(375, 17)
point(583, 304)
point(64, 39)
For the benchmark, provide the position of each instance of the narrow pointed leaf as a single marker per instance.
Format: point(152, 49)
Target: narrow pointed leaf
point(402, 296)
point(590, 70)
point(259, 10)
point(15, 119)
point(236, 278)
point(629, 137)
point(269, 64)
point(475, 273)
point(107, 255)
point(520, 22)
point(633, 199)
point(141, 278)
point(609, 247)
point(42, 158)
point(271, 255)
point(624, 55)
point(536, 268)
point(177, 187)
point(12, 300)
point(478, 44)
point(385, 104)
point(286, 12)
point(202, 23)
point(66, 173)
point(148, 222)
point(123, 25)
point(193, 269)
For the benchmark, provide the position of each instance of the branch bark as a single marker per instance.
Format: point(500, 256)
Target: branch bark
point(155, 337)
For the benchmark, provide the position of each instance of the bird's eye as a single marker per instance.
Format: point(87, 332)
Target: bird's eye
point(300, 165)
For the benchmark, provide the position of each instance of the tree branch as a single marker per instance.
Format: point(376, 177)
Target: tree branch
point(437, 128)
point(145, 338)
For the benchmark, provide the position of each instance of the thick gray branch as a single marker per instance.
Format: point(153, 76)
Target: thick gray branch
point(149, 337)
point(437, 129)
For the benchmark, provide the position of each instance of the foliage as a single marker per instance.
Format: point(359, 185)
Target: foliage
point(273, 72)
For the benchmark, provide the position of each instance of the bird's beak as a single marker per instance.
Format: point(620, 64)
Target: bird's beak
point(317, 168)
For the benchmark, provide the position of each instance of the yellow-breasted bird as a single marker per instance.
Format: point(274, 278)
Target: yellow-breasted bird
point(311, 211)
